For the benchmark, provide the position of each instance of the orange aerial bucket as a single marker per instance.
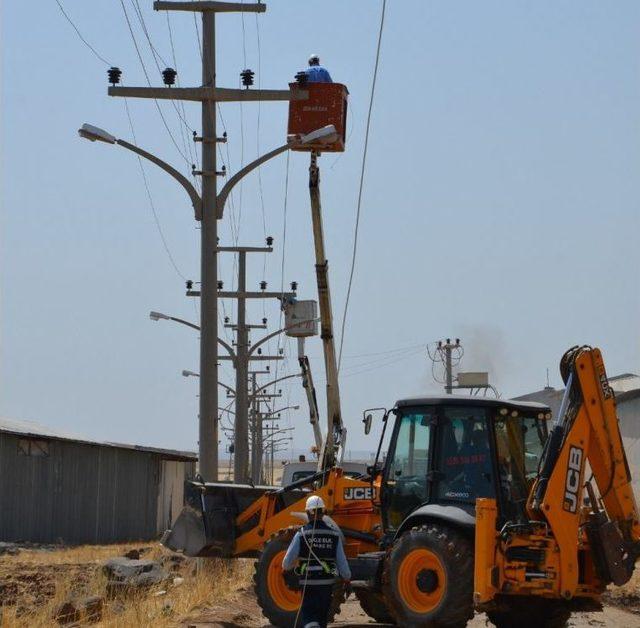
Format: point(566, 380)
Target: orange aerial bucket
point(326, 105)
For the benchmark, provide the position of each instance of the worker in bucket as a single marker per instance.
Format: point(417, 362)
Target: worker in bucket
point(317, 73)
point(317, 554)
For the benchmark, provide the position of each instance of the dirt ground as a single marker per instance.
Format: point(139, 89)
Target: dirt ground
point(242, 611)
point(34, 581)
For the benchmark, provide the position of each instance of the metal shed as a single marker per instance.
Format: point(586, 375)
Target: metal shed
point(57, 487)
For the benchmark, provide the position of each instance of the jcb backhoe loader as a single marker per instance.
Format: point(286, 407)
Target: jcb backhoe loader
point(474, 507)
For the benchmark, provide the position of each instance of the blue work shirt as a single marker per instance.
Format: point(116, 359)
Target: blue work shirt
point(290, 558)
point(318, 74)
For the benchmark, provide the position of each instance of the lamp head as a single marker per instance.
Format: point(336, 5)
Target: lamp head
point(95, 134)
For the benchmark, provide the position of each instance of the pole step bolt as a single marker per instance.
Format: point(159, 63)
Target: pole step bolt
point(114, 75)
point(169, 76)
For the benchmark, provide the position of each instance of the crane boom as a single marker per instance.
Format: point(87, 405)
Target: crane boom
point(334, 417)
point(310, 390)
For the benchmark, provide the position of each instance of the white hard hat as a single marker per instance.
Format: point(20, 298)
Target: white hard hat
point(314, 60)
point(314, 503)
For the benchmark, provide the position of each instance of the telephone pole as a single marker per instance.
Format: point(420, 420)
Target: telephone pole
point(446, 349)
point(211, 205)
point(244, 353)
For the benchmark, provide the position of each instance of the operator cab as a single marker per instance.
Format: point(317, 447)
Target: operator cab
point(452, 450)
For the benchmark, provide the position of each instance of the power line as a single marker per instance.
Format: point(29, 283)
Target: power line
point(151, 203)
point(146, 74)
point(364, 161)
point(133, 133)
point(284, 246)
point(82, 39)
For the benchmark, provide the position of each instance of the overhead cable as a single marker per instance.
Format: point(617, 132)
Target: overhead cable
point(362, 172)
point(82, 39)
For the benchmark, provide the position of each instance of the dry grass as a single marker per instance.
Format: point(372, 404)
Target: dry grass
point(46, 579)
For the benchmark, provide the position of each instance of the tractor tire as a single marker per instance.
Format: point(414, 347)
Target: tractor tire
point(427, 579)
point(279, 603)
point(525, 612)
point(372, 603)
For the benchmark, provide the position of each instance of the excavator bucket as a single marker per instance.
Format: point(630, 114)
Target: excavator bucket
point(206, 525)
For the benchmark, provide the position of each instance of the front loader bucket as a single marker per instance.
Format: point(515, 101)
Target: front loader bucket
point(207, 524)
point(187, 534)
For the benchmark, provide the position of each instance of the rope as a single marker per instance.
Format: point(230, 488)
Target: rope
point(362, 171)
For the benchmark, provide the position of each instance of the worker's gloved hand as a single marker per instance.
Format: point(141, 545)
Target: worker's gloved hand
point(291, 579)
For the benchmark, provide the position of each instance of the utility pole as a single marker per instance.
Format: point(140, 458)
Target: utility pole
point(446, 349)
point(243, 350)
point(211, 208)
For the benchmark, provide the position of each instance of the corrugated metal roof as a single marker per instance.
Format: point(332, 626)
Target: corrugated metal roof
point(32, 428)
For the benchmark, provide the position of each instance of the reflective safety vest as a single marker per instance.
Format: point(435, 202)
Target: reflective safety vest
point(317, 557)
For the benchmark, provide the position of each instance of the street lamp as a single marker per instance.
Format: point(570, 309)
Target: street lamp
point(187, 373)
point(96, 134)
point(159, 316)
point(208, 453)
point(265, 416)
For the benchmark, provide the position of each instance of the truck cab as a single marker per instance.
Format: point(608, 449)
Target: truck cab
point(446, 452)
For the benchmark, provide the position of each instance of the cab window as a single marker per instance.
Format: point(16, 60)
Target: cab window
point(464, 458)
point(406, 481)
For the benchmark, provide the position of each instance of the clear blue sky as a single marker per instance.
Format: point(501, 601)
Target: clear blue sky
point(501, 202)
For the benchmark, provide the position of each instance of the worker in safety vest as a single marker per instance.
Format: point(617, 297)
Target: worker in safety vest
point(318, 552)
point(316, 73)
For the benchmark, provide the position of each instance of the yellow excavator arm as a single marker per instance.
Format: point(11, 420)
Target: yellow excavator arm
point(579, 534)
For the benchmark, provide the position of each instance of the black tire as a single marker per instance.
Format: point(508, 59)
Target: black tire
point(283, 617)
point(527, 612)
point(427, 579)
point(372, 603)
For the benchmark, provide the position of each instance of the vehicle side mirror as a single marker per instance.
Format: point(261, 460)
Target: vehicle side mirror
point(367, 423)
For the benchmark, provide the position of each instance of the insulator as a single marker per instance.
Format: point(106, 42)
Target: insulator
point(226, 320)
point(220, 285)
point(263, 285)
point(269, 240)
point(264, 321)
point(114, 75)
point(302, 78)
point(247, 77)
point(189, 284)
point(294, 286)
point(169, 76)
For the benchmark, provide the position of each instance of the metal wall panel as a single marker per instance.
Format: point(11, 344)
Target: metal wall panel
point(78, 493)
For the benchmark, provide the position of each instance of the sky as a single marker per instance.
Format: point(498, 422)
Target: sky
point(500, 203)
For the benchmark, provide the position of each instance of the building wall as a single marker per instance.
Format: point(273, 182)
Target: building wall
point(55, 490)
point(629, 417)
point(171, 491)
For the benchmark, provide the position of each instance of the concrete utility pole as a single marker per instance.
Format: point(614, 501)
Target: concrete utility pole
point(447, 348)
point(211, 210)
point(244, 353)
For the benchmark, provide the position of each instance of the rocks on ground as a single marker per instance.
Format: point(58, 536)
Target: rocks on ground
point(86, 610)
point(126, 575)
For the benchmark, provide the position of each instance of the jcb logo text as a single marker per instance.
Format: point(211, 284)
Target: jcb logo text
point(572, 483)
point(358, 492)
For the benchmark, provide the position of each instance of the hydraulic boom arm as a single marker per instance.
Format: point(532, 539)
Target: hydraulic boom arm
point(576, 535)
point(334, 416)
point(310, 390)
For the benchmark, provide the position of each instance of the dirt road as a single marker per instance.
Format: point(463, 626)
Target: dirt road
point(242, 611)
